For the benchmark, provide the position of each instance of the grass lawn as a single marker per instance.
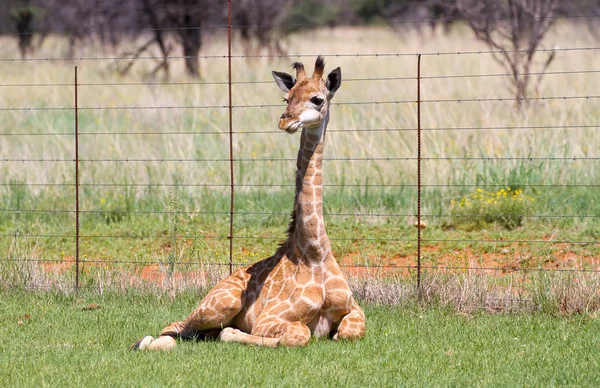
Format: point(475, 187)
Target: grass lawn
point(52, 340)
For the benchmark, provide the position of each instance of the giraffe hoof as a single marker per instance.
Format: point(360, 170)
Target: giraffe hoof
point(142, 344)
point(162, 343)
point(227, 334)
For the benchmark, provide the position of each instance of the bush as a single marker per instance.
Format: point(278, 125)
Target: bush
point(506, 207)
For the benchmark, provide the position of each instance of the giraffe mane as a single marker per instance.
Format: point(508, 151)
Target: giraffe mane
point(283, 247)
point(294, 217)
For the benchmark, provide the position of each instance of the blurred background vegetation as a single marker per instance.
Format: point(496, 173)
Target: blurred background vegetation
point(260, 24)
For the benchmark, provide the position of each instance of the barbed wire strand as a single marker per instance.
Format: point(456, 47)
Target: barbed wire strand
point(271, 185)
point(258, 238)
point(355, 55)
point(262, 106)
point(507, 268)
point(224, 83)
point(344, 159)
point(497, 128)
point(255, 213)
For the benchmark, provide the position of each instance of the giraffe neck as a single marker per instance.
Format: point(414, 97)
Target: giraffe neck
point(310, 240)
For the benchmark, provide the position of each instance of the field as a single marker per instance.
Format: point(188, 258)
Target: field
point(155, 182)
point(510, 285)
point(53, 340)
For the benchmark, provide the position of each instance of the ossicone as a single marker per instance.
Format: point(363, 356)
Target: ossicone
point(319, 67)
point(300, 72)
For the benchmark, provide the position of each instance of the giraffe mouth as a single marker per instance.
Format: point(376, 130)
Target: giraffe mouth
point(293, 127)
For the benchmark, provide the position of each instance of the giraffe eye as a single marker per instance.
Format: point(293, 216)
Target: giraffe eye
point(316, 100)
point(286, 100)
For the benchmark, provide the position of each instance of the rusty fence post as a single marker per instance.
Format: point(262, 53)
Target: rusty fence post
point(231, 205)
point(419, 176)
point(76, 112)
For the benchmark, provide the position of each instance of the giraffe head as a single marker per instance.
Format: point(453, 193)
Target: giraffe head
point(307, 97)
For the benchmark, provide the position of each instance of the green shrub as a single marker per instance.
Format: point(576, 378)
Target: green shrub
point(506, 207)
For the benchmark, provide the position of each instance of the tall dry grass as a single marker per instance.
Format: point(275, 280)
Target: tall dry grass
point(552, 142)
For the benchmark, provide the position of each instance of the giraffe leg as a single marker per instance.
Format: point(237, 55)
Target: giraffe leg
point(295, 334)
point(352, 325)
point(215, 311)
point(230, 334)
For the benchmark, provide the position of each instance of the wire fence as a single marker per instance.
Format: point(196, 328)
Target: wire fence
point(405, 258)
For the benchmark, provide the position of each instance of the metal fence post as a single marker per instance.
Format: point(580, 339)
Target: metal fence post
point(76, 112)
point(230, 236)
point(419, 175)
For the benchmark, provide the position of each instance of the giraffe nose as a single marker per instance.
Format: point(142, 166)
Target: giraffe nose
point(286, 116)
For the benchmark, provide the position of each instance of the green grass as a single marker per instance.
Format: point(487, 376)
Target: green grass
point(61, 344)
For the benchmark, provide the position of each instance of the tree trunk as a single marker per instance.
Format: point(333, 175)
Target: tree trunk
point(158, 37)
point(191, 50)
point(192, 43)
point(23, 20)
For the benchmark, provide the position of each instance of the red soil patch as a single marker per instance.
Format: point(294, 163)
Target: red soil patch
point(156, 275)
point(497, 263)
point(153, 274)
point(506, 259)
point(60, 267)
point(395, 266)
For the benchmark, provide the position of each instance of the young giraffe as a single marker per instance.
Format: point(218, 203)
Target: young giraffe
point(300, 290)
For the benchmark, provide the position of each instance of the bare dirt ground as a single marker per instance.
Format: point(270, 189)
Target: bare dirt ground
point(558, 257)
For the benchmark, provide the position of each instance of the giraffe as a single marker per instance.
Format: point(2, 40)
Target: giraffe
point(299, 291)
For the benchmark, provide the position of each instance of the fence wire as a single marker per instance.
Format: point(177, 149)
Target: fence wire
point(224, 83)
point(262, 106)
point(255, 213)
point(251, 133)
point(425, 241)
point(303, 55)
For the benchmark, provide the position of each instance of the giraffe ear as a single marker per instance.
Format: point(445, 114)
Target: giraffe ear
point(334, 80)
point(284, 81)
